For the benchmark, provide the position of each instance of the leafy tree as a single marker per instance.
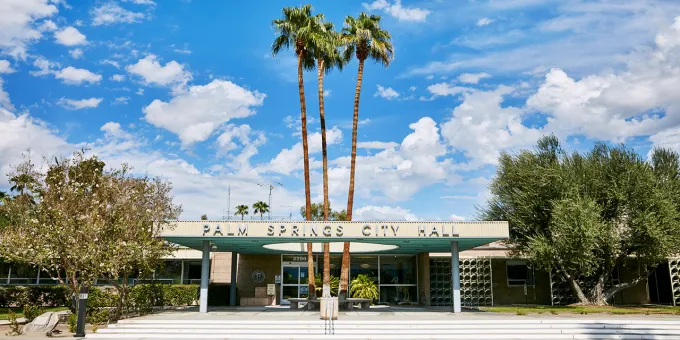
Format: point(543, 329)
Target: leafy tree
point(241, 210)
point(296, 28)
point(85, 222)
point(333, 283)
point(317, 213)
point(584, 215)
point(260, 208)
point(363, 37)
point(204, 217)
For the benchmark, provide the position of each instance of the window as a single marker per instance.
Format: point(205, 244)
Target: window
point(519, 273)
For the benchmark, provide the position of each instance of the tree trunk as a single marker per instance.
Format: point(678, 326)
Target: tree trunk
point(596, 294)
point(311, 275)
point(324, 155)
point(326, 270)
point(344, 271)
point(305, 159)
point(576, 289)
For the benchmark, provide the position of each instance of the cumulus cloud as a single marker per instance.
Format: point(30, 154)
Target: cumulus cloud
point(113, 129)
point(73, 104)
point(76, 76)
point(17, 29)
point(70, 36)
point(5, 67)
point(76, 53)
point(290, 160)
point(152, 72)
point(387, 93)
point(117, 77)
point(383, 213)
point(111, 13)
point(481, 127)
point(377, 145)
point(47, 26)
point(445, 89)
point(194, 115)
point(484, 21)
point(4, 99)
point(473, 78)
point(396, 10)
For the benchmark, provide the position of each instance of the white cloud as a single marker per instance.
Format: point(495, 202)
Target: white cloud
point(6, 67)
point(76, 76)
point(396, 10)
point(289, 160)
point(195, 114)
point(121, 100)
point(152, 72)
point(111, 13)
point(484, 21)
point(110, 62)
point(445, 89)
point(47, 26)
point(118, 77)
point(76, 53)
point(377, 145)
point(113, 129)
point(17, 29)
point(70, 36)
point(383, 213)
point(473, 78)
point(482, 128)
point(73, 104)
point(44, 67)
point(395, 174)
point(457, 218)
point(141, 2)
point(182, 51)
point(244, 138)
point(387, 93)
point(327, 93)
point(4, 99)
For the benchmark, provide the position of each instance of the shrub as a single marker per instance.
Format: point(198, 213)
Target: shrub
point(18, 296)
point(318, 283)
point(14, 328)
point(364, 287)
point(32, 311)
point(72, 322)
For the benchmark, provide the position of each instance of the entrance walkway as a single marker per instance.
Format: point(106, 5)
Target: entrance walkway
point(386, 323)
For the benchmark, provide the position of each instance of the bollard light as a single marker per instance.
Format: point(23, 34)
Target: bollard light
point(82, 305)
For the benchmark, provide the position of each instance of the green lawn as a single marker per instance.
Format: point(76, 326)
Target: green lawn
point(523, 310)
point(20, 311)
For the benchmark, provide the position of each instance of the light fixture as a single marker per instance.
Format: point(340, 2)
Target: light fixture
point(365, 265)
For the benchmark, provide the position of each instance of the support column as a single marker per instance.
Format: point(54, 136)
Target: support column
point(232, 285)
point(455, 278)
point(205, 277)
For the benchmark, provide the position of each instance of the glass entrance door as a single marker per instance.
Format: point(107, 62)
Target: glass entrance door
point(294, 283)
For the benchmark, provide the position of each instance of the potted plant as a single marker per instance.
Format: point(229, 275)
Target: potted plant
point(364, 287)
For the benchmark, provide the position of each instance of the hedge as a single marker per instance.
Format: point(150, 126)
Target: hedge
point(142, 297)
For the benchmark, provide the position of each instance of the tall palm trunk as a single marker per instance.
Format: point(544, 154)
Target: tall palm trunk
point(344, 274)
point(305, 158)
point(324, 153)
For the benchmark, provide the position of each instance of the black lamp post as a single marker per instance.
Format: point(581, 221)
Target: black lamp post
point(82, 305)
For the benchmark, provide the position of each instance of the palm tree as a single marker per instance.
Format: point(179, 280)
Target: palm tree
point(260, 208)
point(294, 28)
point(324, 46)
point(241, 210)
point(364, 37)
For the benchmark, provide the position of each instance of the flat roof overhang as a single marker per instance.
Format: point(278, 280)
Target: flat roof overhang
point(395, 237)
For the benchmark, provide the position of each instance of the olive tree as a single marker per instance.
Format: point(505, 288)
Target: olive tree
point(584, 215)
point(79, 222)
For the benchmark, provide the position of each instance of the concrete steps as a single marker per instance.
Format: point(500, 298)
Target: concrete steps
point(492, 328)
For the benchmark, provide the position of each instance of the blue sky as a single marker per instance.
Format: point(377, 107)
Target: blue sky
point(188, 90)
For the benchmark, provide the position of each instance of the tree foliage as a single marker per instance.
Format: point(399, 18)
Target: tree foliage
point(317, 213)
point(82, 222)
point(241, 210)
point(261, 208)
point(585, 215)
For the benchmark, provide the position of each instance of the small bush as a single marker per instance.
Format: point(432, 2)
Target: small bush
point(31, 312)
point(72, 322)
point(14, 328)
point(521, 312)
point(19, 296)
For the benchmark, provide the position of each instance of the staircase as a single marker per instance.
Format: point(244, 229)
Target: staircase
point(453, 328)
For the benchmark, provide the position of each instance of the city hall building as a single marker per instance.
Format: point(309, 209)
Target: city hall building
point(456, 264)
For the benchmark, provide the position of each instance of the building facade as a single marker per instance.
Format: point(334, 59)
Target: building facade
point(412, 263)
